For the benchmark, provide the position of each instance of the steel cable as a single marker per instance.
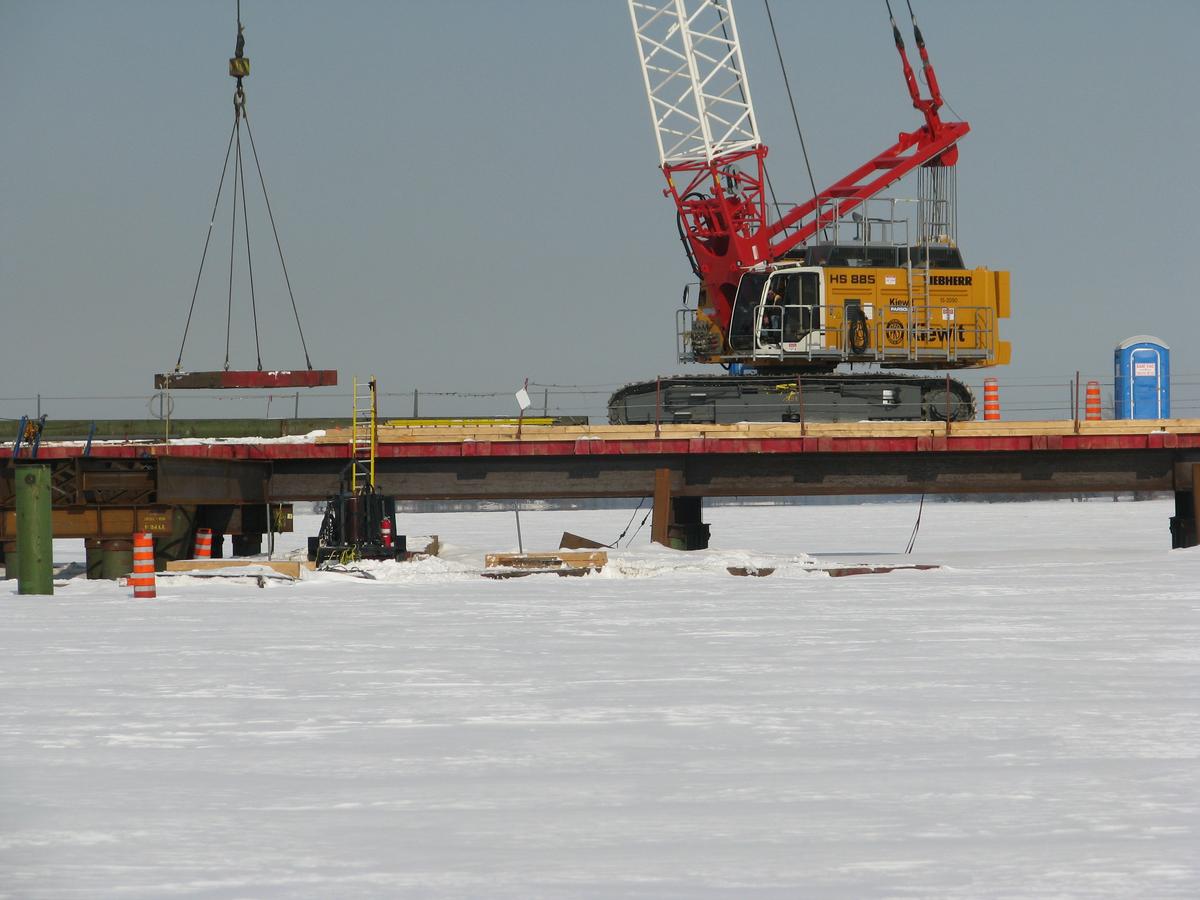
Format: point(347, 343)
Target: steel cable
point(249, 262)
point(211, 220)
point(639, 528)
point(278, 245)
point(614, 544)
point(232, 233)
point(912, 538)
point(791, 101)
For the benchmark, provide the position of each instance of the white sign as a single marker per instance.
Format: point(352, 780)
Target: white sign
point(889, 279)
point(948, 313)
point(523, 399)
point(869, 310)
point(1146, 369)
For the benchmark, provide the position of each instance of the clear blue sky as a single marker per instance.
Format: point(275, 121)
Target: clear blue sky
point(467, 192)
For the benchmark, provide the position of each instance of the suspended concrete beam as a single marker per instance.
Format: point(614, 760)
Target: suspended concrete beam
point(254, 378)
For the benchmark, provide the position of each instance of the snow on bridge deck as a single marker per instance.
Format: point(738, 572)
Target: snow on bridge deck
point(475, 440)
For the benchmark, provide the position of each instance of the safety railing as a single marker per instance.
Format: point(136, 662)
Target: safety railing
point(916, 333)
point(1023, 395)
point(883, 221)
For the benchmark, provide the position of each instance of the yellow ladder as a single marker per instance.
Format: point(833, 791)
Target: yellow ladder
point(364, 434)
point(918, 298)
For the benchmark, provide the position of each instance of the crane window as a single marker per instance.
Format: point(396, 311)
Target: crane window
point(741, 324)
point(801, 293)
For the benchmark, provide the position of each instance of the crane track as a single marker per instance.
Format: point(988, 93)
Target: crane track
point(722, 399)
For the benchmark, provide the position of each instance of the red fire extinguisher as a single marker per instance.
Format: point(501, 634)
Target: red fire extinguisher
point(385, 529)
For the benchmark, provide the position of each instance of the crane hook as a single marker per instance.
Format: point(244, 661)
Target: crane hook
point(239, 63)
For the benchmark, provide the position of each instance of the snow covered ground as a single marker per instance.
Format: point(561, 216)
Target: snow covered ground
point(1024, 722)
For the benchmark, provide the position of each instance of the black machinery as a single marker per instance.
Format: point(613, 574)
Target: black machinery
point(357, 525)
point(359, 521)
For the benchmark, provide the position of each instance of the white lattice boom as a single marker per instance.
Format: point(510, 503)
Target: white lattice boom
point(695, 79)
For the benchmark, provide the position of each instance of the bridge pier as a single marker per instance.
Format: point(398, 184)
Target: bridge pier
point(176, 543)
point(247, 544)
point(8, 556)
point(120, 489)
point(676, 521)
point(116, 559)
point(1184, 530)
point(93, 553)
point(246, 524)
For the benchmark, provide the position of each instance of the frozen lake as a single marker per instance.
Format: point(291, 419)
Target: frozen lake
point(1022, 722)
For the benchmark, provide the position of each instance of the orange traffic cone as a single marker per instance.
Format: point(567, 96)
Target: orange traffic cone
point(991, 400)
point(203, 546)
point(142, 579)
point(1092, 407)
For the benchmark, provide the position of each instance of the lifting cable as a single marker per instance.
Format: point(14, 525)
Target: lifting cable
point(791, 101)
point(249, 263)
point(278, 245)
point(912, 538)
point(208, 237)
point(614, 544)
point(238, 100)
point(766, 173)
point(239, 67)
point(912, 15)
point(639, 528)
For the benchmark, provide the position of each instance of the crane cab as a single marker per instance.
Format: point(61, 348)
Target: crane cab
point(796, 315)
point(778, 312)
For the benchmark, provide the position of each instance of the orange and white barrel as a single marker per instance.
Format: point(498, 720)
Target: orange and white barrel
point(1092, 404)
point(142, 579)
point(991, 400)
point(202, 549)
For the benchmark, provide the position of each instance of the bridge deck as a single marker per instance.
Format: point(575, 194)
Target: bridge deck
point(440, 442)
point(677, 465)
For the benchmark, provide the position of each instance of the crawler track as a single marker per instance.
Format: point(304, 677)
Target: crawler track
point(775, 398)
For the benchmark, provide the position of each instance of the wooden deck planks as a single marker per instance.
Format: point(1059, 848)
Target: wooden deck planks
point(765, 430)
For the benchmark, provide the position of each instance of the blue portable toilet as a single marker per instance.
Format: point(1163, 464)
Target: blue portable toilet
point(1143, 379)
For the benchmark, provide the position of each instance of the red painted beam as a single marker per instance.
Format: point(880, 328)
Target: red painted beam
point(691, 446)
point(257, 378)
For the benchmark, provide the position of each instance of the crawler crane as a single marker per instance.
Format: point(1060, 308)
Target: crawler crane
point(788, 293)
